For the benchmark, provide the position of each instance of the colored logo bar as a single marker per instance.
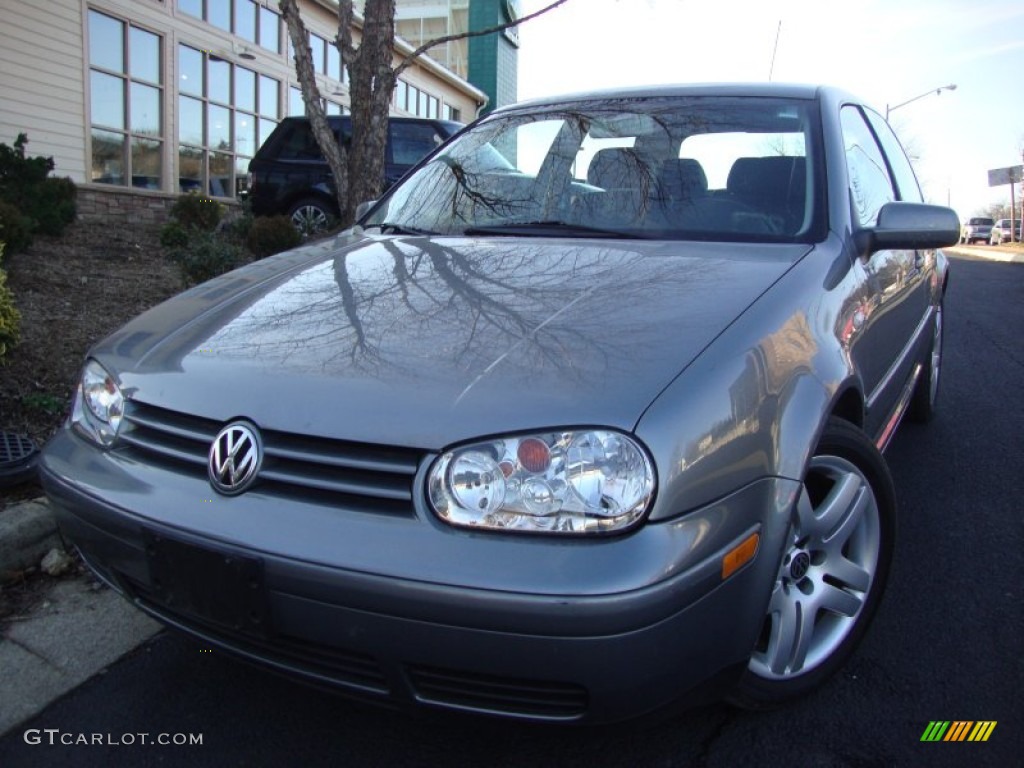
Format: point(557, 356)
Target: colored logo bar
point(958, 730)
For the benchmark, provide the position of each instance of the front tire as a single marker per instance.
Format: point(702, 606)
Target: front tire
point(832, 574)
point(926, 392)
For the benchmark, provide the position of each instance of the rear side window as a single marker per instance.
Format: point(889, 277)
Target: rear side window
point(299, 144)
point(411, 141)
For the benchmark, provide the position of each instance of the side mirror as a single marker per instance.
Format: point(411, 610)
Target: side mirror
point(909, 226)
point(364, 208)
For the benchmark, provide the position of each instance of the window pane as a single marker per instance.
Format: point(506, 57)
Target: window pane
point(241, 168)
point(107, 158)
point(145, 55)
point(220, 175)
point(218, 85)
point(106, 42)
point(333, 62)
point(296, 106)
point(317, 45)
point(107, 96)
point(146, 163)
point(269, 30)
point(190, 169)
point(411, 141)
point(190, 121)
point(245, 19)
point(401, 94)
point(266, 128)
point(190, 70)
point(269, 97)
point(334, 109)
point(218, 13)
point(245, 89)
point(145, 109)
point(219, 129)
point(193, 7)
point(245, 134)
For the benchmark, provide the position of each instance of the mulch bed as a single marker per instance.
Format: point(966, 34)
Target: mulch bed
point(72, 291)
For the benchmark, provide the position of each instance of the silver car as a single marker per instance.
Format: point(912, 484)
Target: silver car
point(1003, 232)
point(584, 419)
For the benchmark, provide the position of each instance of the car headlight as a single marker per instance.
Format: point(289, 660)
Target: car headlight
point(98, 406)
point(592, 481)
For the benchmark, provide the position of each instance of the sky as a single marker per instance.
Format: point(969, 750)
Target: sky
point(884, 51)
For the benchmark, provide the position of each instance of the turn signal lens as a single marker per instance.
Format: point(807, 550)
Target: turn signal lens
point(740, 555)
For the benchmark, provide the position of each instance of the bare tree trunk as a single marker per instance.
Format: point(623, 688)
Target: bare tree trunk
point(332, 149)
point(372, 81)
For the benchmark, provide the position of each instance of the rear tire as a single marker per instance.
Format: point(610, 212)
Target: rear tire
point(310, 216)
point(832, 574)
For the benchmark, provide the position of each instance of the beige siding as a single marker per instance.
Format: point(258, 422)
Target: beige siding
point(41, 80)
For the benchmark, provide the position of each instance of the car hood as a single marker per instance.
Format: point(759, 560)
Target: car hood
point(426, 342)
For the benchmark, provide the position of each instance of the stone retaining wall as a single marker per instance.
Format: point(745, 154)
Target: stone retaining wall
point(119, 205)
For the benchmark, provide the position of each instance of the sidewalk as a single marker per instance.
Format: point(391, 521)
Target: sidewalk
point(988, 252)
point(76, 629)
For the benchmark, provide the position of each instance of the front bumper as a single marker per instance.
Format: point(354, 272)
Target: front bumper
point(579, 648)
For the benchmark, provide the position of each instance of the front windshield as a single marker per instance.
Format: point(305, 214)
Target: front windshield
point(709, 168)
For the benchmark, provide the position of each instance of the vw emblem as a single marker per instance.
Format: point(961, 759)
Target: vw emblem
point(235, 458)
point(800, 565)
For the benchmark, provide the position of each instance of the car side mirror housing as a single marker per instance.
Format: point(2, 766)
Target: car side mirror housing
point(906, 226)
point(364, 208)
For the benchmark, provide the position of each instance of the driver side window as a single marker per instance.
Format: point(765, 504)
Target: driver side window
point(871, 186)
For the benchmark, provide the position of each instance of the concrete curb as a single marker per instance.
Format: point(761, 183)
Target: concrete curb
point(28, 530)
point(76, 630)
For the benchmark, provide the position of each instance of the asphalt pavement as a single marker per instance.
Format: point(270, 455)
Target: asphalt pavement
point(946, 644)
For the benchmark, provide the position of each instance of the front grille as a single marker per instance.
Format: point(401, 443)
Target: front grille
point(355, 475)
point(487, 693)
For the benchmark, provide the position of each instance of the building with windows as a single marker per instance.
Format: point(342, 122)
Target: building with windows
point(489, 61)
point(140, 100)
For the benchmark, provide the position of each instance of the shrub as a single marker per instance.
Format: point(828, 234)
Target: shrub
point(198, 212)
point(173, 235)
point(19, 174)
point(10, 318)
point(48, 204)
point(51, 207)
point(205, 256)
point(271, 235)
point(237, 228)
point(15, 228)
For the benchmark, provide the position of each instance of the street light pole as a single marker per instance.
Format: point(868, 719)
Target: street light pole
point(929, 92)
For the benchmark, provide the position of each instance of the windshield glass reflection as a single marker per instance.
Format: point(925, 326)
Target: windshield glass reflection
point(733, 169)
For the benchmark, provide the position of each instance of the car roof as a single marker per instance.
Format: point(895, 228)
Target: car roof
point(777, 90)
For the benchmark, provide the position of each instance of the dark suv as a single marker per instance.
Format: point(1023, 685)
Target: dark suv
point(289, 175)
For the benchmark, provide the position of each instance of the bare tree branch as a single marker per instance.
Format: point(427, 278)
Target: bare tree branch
point(473, 33)
point(333, 151)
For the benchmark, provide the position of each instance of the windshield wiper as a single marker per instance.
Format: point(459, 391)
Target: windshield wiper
point(549, 228)
point(390, 228)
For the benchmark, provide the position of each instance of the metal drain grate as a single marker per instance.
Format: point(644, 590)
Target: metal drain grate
point(17, 458)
